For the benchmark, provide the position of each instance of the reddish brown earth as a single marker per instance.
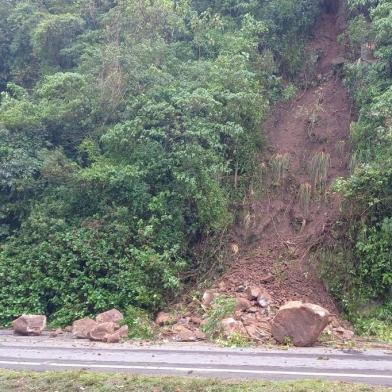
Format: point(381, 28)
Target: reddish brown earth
point(278, 234)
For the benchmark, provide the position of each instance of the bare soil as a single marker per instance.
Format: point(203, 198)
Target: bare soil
point(279, 232)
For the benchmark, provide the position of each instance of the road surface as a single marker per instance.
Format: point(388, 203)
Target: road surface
point(197, 360)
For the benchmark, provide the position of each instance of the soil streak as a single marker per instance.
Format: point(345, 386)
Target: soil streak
point(316, 121)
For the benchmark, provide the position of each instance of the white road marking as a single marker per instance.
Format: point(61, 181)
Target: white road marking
point(205, 370)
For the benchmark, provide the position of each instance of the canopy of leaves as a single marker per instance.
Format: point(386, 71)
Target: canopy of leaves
point(368, 191)
point(122, 125)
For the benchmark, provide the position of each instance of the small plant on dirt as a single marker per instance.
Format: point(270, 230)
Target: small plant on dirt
point(236, 339)
point(353, 162)
point(288, 342)
point(221, 307)
point(139, 324)
point(305, 195)
point(279, 270)
point(340, 147)
point(247, 220)
point(319, 167)
point(374, 328)
point(279, 166)
point(312, 117)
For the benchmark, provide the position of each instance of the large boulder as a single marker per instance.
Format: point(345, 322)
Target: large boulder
point(101, 331)
point(300, 322)
point(81, 328)
point(29, 325)
point(111, 316)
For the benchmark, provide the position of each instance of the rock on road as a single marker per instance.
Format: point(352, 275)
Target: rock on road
point(202, 360)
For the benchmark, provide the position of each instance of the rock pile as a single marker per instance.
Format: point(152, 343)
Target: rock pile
point(105, 328)
point(256, 318)
point(251, 317)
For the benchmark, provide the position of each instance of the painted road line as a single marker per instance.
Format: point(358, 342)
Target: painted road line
point(201, 370)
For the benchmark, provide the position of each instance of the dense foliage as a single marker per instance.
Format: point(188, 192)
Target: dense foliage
point(122, 126)
point(365, 262)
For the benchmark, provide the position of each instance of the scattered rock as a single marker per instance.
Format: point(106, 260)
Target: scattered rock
point(252, 292)
point(222, 286)
point(55, 333)
point(184, 334)
point(81, 328)
point(200, 335)
point(112, 338)
point(230, 326)
point(242, 304)
point(111, 316)
point(256, 332)
point(101, 331)
point(260, 294)
point(208, 297)
point(118, 335)
point(343, 333)
point(196, 320)
point(249, 319)
point(123, 331)
point(301, 322)
point(267, 278)
point(184, 320)
point(68, 328)
point(29, 325)
point(163, 318)
point(264, 298)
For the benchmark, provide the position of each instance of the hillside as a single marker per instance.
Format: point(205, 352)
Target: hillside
point(308, 147)
point(148, 149)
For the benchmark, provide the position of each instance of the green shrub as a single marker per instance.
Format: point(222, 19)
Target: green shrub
point(221, 307)
point(358, 268)
point(135, 129)
point(139, 323)
point(70, 272)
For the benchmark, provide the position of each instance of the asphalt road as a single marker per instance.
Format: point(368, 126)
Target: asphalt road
point(201, 360)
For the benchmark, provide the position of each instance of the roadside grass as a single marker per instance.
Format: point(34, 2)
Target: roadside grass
point(82, 381)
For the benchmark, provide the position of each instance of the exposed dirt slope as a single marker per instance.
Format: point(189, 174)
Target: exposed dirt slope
point(281, 227)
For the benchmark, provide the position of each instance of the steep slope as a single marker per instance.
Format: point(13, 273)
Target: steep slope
point(307, 149)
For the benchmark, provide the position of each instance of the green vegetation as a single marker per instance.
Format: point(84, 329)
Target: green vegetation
point(359, 267)
point(92, 382)
point(319, 167)
point(127, 130)
point(221, 307)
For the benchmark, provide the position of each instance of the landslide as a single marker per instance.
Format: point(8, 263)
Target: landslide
point(307, 149)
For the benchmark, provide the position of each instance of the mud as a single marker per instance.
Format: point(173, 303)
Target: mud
point(279, 231)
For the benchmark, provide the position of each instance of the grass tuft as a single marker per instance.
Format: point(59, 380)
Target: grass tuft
point(319, 167)
point(279, 166)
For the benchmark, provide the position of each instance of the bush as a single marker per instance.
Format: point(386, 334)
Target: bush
point(70, 272)
point(358, 270)
point(140, 126)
